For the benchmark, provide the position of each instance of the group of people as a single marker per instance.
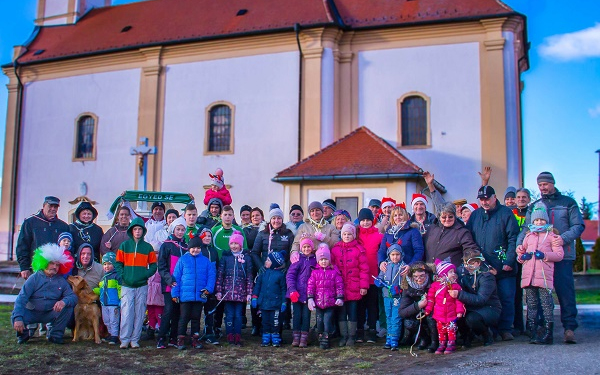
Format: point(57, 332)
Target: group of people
point(415, 277)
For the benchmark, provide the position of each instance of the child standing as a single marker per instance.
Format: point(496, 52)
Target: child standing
point(390, 281)
point(325, 290)
point(155, 304)
point(538, 254)
point(109, 291)
point(211, 301)
point(297, 282)
point(234, 286)
point(194, 277)
point(351, 259)
point(269, 296)
point(65, 240)
point(446, 309)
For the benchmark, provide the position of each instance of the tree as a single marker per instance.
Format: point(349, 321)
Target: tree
point(596, 254)
point(587, 209)
point(579, 254)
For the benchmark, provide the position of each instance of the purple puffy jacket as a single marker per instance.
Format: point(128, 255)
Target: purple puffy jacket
point(325, 285)
point(298, 274)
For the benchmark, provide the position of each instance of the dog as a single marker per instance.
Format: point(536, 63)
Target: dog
point(87, 312)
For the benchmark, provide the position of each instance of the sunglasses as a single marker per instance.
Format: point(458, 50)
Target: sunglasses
point(296, 214)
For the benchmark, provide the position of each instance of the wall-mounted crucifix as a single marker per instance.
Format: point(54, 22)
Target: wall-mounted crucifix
point(142, 151)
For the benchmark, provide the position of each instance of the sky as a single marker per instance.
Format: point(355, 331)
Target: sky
point(561, 97)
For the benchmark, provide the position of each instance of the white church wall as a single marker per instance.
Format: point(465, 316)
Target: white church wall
point(511, 96)
point(450, 76)
point(327, 98)
point(264, 91)
point(47, 142)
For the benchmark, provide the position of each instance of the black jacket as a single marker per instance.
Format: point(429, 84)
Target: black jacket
point(282, 240)
point(495, 232)
point(170, 251)
point(35, 232)
point(90, 232)
point(409, 307)
point(479, 294)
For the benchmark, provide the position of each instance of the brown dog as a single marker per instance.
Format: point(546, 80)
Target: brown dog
point(87, 312)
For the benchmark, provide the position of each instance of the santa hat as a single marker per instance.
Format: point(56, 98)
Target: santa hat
point(442, 267)
point(387, 202)
point(471, 206)
point(418, 198)
point(217, 178)
point(50, 252)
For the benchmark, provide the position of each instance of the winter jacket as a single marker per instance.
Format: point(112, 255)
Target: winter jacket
point(351, 259)
point(441, 243)
point(566, 218)
point(520, 215)
point(170, 252)
point(423, 227)
point(298, 275)
point(411, 243)
point(222, 194)
point(136, 261)
point(540, 272)
point(35, 232)
point(308, 229)
point(116, 236)
point(445, 308)
point(192, 274)
point(40, 293)
point(155, 296)
point(411, 295)
point(270, 289)
point(234, 279)
point(88, 232)
point(250, 233)
point(392, 278)
point(109, 289)
point(154, 227)
point(495, 231)
point(221, 236)
point(325, 285)
point(370, 239)
point(281, 240)
point(479, 294)
point(93, 273)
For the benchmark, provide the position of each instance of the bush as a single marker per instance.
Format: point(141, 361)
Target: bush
point(596, 254)
point(579, 254)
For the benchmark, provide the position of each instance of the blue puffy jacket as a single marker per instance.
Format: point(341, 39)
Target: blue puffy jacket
point(192, 274)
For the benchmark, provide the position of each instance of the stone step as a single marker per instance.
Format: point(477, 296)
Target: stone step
point(10, 278)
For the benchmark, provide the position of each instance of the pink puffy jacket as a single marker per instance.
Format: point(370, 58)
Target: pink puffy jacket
point(351, 259)
point(445, 308)
point(325, 285)
point(540, 272)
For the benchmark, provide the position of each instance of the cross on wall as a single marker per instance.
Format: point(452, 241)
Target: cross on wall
point(142, 151)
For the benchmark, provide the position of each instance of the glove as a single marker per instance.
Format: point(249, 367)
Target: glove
point(320, 236)
point(339, 302)
point(539, 255)
point(283, 307)
point(254, 302)
point(219, 296)
point(526, 256)
point(294, 296)
point(175, 299)
point(311, 304)
point(379, 283)
point(294, 257)
point(204, 295)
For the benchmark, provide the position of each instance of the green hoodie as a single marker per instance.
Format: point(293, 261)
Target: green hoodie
point(136, 261)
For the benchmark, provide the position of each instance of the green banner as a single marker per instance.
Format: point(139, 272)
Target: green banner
point(149, 196)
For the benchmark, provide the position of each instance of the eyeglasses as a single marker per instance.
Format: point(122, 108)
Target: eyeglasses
point(447, 217)
point(296, 214)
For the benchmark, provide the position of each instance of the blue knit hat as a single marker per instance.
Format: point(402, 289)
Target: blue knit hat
point(64, 235)
point(277, 260)
point(395, 247)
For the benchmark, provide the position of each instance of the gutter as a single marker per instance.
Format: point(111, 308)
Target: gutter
point(341, 177)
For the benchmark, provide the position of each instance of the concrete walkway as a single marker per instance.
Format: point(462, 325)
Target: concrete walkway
point(8, 298)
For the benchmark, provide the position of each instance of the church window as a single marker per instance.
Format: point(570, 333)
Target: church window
point(85, 137)
point(219, 134)
point(413, 113)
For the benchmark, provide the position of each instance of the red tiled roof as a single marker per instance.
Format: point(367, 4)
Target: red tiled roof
point(360, 154)
point(591, 231)
point(159, 22)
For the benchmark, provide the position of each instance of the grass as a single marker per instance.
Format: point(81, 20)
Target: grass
point(587, 297)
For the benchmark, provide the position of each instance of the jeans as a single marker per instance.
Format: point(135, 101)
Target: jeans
point(564, 284)
point(270, 321)
point(169, 319)
point(301, 317)
point(392, 313)
point(233, 317)
point(348, 312)
point(368, 308)
point(506, 293)
point(325, 319)
point(133, 311)
point(190, 311)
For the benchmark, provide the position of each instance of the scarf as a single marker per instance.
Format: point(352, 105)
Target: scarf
point(540, 228)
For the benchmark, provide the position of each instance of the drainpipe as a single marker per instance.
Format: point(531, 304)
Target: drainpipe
point(300, 71)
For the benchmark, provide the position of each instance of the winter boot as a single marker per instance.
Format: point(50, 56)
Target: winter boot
point(181, 342)
point(450, 348)
point(547, 337)
point(531, 331)
point(394, 343)
point(237, 339)
point(276, 339)
point(424, 342)
point(266, 340)
point(296, 338)
point(410, 328)
point(324, 340)
point(196, 344)
point(388, 342)
point(433, 334)
point(372, 336)
point(149, 334)
point(441, 348)
point(343, 333)
point(303, 340)
point(488, 338)
point(360, 335)
point(230, 339)
point(351, 333)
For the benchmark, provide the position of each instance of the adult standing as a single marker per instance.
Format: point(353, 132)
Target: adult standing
point(84, 230)
point(420, 214)
point(329, 207)
point(316, 228)
point(116, 235)
point(523, 198)
point(296, 218)
point(256, 223)
point(38, 229)
point(565, 216)
point(245, 212)
point(495, 230)
point(155, 224)
point(404, 233)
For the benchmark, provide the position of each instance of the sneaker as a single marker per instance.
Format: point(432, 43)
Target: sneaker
point(124, 345)
point(211, 339)
point(160, 344)
point(23, 337)
point(56, 340)
point(507, 336)
point(570, 337)
point(134, 345)
point(172, 342)
point(181, 342)
point(112, 340)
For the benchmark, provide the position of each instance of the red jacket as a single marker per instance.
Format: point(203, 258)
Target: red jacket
point(351, 259)
point(370, 238)
point(445, 308)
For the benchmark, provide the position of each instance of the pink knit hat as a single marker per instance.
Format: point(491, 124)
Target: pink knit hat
point(323, 252)
point(236, 237)
point(349, 227)
point(443, 266)
point(307, 241)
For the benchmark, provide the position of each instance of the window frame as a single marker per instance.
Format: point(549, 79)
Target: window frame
point(427, 100)
point(231, 128)
point(95, 118)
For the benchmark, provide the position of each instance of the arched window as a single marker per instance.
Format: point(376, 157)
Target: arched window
point(414, 121)
point(219, 135)
point(85, 137)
